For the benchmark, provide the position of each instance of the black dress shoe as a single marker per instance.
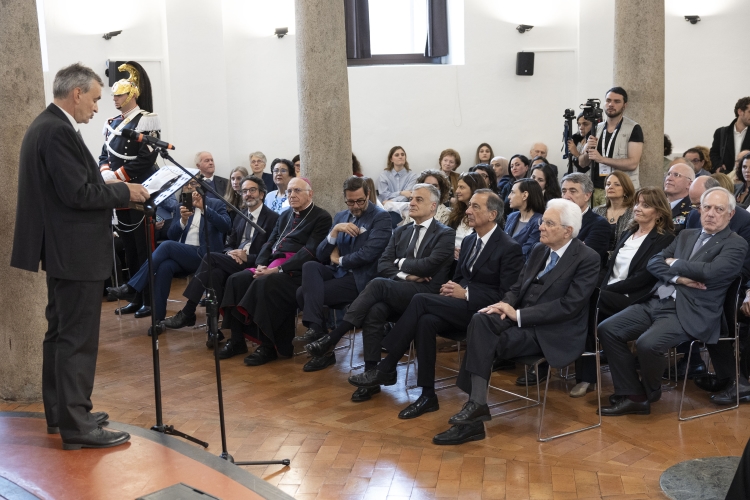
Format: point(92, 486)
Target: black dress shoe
point(694, 370)
point(471, 412)
point(502, 364)
point(729, 395)
point(373, 377)
point(261, 356)
point(122, 292)
point(98, 438)
point(320, 346)
point(232, 348)
point(424, 404)
point(311, 335)
point(627, 406)
point(543, 370)
point(128, 309)
point(210, 337)
point(459, 434)
point(365, 393)
point(159, 330)
point(655, 396)
point(711, 383)
point(100, 417)
point(143, 312)
point(316, 364)
point(179, 320)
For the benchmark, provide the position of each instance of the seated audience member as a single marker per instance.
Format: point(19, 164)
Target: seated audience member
point(396, 182)
point(232, 193)
point(695, 158)
point(736, 173)
point(183, 252)
point(707, 166)
point(204, 161)
point(528, 204)
point(449, 162)
point(743, 175)
point(545, 313)
point(500, 165)
point(267, 295)
point(519, 169)
point(258, 165)
point(626, 279)
point(242, 247)
point(356, 166)
point(283, 172)
point(730, 140)
point(694, 273)
point(487, 267)
point(667, 152)
point(676, 187)
point(538, 149)
point(723, 180)
point(417, 259)
point(347, 262)
point(439, 180)
point(484, 154)
point(488, 174)
point(373, 196)
point(547, 180)
point(297, 167)
point(619, 194)
point(467, 184)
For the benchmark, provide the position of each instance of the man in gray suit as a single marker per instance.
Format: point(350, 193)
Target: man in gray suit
point(694, 273)
point(545, 312)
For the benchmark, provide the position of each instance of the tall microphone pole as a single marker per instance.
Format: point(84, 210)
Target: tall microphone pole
point(212, 307)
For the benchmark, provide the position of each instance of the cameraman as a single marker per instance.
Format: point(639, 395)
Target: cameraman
point(617, 145)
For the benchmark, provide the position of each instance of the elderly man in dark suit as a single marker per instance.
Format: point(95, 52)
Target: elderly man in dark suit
point(63, 218)
point(417, 259)
point(694, 273)
point(204, 161)
point(242, 247)
point(545, 312)
point(347, 262)
point(266, 294)
point(488, 265)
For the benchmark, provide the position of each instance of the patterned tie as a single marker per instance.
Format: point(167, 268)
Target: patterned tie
point(247, 236)
point(411, 249)
point(475, 253)
point(553, 258)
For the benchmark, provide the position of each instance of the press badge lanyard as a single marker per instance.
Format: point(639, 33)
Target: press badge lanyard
point(607, 169)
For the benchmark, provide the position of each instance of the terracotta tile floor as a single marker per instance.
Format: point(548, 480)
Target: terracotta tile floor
point(340, 449)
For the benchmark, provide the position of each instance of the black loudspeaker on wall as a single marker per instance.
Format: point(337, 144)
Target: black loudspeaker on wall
point(113, 73)
point(525, 63)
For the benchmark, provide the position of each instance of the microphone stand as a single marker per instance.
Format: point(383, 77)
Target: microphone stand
point(148, 212)
point(212, 307)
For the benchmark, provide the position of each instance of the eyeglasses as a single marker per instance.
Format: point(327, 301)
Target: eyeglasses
point(296, 191)
point(676, 175)
point(280, 171)
point(548, 223)
point(359, 203)
point(697, 160)
point(250, 191)
point(256, 162)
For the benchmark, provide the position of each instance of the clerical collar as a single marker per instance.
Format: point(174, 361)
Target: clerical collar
point(303, 210)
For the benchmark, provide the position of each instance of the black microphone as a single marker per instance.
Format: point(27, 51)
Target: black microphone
point(138, 137)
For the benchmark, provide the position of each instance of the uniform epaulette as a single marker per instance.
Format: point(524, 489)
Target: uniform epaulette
point(149, 122)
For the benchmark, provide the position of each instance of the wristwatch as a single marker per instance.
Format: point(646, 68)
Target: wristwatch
point(279, 268)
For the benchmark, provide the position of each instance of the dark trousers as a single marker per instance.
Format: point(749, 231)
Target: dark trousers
point(489, 336)
point(321, 288)
point(382, 300)
point(740, 487)
point(427, 316)
point(170, 258)
point(134, 239)
point(69, 354)
point(222, 267)
point(655, 328)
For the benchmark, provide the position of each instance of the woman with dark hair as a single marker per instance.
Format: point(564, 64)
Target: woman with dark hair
point(297, 168)
point(547, 181)
point(468, 182)
point(526, 199)
point(440, 181)
point(395, 183)
point(283, 171)
point(577, 142)
point(618, 206)
point(449, 161)
point(519, 169)
point(742, 191)
point(488, 174)
point(356, 167)
point(232, 193)
point(373, 196)
point(484, 154)
point(626, 279)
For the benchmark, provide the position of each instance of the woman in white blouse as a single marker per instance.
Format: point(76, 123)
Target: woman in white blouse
point(626, 279)
point(468, 182)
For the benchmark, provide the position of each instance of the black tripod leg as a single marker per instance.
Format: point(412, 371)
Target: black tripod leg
point(269, 462)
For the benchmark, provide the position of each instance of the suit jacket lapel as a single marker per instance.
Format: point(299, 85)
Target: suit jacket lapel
point(427, 237)
point(485, 255)
point(567, 258)
point(712, 242)
point(645, 248)
point(534, 269)
point(470, 241)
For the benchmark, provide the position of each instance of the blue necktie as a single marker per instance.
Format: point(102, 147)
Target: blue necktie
point(475, 253)
point(553, 258)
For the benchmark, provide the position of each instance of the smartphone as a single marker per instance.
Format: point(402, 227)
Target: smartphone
point(186, 200)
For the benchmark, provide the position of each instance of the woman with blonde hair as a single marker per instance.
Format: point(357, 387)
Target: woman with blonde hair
point(232, 193)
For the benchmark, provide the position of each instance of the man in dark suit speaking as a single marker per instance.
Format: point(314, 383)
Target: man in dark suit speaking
point(694, 273)
point(64, 219)
point(545, 312)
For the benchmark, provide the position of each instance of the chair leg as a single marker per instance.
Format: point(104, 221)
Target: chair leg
point(530, 402)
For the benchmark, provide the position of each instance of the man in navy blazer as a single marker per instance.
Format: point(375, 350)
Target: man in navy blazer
point(347, 261)
point(488, 265)
point(183, 252)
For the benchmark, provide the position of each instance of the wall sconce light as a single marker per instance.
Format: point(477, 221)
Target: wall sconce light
point(523, 28)
point(693, 19)
point(108, 36)
point(280, 32)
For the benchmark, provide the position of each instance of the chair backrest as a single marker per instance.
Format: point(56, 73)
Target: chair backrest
point(395, 219)
point(594, 311)
point(731, 305)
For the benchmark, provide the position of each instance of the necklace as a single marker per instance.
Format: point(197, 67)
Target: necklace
point(616, 214)
point(283, 236)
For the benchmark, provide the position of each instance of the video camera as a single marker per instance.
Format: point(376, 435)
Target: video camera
point(592, 111)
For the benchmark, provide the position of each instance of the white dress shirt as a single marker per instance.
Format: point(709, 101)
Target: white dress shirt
point(625, 256)
point(193, 237)
point(560, 251)
point(70, 118)
point(739, 137)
